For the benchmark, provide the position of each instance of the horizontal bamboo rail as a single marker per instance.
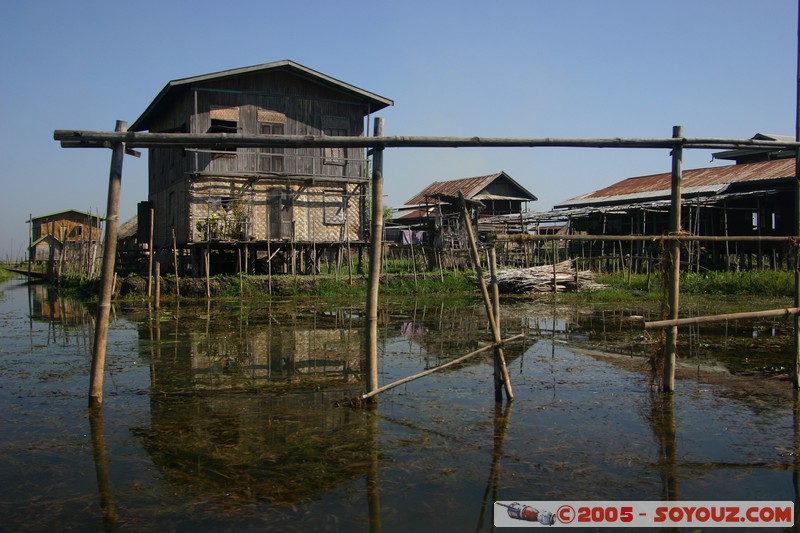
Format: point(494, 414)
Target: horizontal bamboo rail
point(104, 139)
point(437, 368)
point(653, 238)
point(661, 324)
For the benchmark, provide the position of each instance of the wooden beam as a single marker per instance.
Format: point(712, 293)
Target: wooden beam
point(438, 368)
point(650, 238)
point(660, 324)
point(99, 139)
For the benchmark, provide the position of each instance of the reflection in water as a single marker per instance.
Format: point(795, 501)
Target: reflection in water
point(223, 417)
point(211, 352)
point(69, 322)
point(662, 421)
point(101, 469)
point(231, 449)
point(373, 479)
point(492, 493)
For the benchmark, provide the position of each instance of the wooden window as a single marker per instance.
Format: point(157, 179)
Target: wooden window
point(335, 127)
point(271, 159)
point(271, 123)
point(224, 119)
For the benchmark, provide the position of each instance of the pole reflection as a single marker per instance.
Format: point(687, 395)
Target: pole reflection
point(107, 505)
point(491, 494)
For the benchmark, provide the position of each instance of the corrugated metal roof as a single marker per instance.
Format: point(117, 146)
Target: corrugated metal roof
point(703, 181)
point(469, 187)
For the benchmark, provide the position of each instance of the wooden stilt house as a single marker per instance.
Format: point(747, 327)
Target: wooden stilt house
point(230, 208)
point(754, 197)
point(499, 193)
point(70, 232)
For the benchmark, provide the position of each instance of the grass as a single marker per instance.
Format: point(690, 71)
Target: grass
point(759, 283)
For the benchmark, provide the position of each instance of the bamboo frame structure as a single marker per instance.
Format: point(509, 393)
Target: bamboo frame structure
point(123, 141)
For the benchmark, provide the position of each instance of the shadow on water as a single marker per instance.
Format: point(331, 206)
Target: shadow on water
point(223, 416)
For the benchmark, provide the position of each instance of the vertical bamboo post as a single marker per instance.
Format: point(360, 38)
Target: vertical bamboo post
point(796, 373)
point(376, 247)
point(487, 304)
point(498, 372)
point(107, 279)
point(30, 243)
point(674, 263)
point(175, 261)
point(157, 275)
point(150, 257)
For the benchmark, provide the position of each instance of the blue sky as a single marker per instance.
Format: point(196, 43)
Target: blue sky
point(535, 68)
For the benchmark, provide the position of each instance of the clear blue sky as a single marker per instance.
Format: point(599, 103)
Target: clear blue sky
point(527, 68)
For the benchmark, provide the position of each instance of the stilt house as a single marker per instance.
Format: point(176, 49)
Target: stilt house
point(228, 204)
point(499, 193)
point(71, 231)
point(754, 197)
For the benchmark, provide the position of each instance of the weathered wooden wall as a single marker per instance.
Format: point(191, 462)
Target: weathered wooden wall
point(184, 183)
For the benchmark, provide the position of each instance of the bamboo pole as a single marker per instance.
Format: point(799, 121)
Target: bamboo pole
point(674, 272)
point(456, 361)
point(660, 324)
point(175, 261)
point(647, 238)
point(498, 371)
point(107, 279)
point(376, 247)
point(150, 256)
point(157, 276)
point(96, 139)
point(476, 263)
point(796, 373)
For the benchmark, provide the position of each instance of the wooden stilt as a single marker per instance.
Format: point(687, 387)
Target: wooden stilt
point(674, 272)
point(157, 275)
point(476, 264)
point(376, 247)
point(175, 261)
point(107, 278)
point(150, 257)
point(498, 371)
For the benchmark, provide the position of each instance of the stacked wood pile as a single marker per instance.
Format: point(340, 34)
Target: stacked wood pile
point(540, 279)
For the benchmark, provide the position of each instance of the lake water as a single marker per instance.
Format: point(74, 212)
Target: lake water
point(224, 417)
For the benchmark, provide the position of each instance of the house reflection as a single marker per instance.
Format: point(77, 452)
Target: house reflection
point(243, 404)
point(223, 351)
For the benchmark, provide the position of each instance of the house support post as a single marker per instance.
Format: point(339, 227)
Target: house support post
point(796, 249)
point(376, 247)
point(107, 279)
point(487, 303)
point(674, 274)
point(498, 371)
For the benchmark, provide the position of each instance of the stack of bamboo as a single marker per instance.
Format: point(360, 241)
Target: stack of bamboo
point(541, 279)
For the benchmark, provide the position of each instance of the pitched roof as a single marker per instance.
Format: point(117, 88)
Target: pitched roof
point(176, 87)
point(81, 213)
point(702, 181)
point(471, 188)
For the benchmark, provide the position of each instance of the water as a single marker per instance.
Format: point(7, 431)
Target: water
point(225, 418)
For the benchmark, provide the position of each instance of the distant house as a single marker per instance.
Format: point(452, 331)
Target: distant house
point(68, 231)
point(499, 193)
point(281, 200)
point(754, 197)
